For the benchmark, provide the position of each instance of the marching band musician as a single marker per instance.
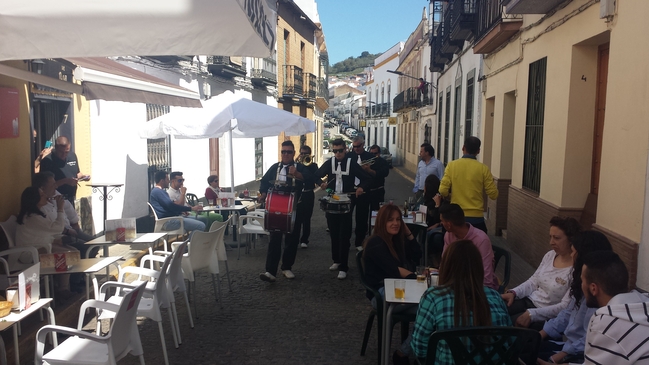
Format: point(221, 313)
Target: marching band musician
point(306, 201)
point(362, 202)
point(379, 170)
point(341, 170)
point(293, 175)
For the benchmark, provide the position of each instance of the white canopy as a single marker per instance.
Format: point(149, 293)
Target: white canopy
point(225, 112)
point(98, 28)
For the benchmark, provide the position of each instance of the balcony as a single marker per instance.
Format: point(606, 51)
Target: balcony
point(494, 26)
point(437, 57)
point(322, 95)
point(449, 45)
point(311, 86)
point(293, 82)
point(226, 66)
point(463, 19)
point(264, 72)
point(531, 6)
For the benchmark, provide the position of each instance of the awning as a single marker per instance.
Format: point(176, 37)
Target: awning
point(106, 79)
point(92, 28)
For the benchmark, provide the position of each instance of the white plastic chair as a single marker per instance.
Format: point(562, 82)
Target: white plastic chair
point(85, 348)
point(221, 253)
point(162, 224)
point(175, 279)
point(254, 225)
point(200, 255)
point(154, 297)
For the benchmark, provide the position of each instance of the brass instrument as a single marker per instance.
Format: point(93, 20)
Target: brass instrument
point(305, 160)
point(369, 161)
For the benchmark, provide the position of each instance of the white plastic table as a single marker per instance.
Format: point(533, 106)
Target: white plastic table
point(15, 317)
point(414, 292)
point(88, 267)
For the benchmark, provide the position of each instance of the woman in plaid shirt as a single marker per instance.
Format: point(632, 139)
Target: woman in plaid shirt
point(460, 300)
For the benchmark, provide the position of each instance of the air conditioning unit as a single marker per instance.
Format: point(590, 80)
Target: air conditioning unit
point(606, 8)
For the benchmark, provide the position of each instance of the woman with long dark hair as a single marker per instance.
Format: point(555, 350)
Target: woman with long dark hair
point(391, 252)
point(546, 293)
point(459, 300)
point(572, 323)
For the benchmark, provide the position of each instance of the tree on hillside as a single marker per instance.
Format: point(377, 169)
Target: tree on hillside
point(352, 64)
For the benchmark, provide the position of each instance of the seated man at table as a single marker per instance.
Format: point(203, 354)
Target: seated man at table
point(164, 207)
point(452, 217)
point(178, 194)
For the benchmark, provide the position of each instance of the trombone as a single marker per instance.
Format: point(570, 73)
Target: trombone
point(305, 160)
point(369, 161)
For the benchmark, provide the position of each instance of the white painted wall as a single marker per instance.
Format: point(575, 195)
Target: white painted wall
point(119, 155)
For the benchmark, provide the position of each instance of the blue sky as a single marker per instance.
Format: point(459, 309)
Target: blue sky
point(354, 26)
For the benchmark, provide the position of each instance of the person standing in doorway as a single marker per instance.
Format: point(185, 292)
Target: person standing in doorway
point(64, 164)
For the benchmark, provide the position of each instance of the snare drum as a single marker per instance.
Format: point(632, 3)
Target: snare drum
point(332, 206)
point(280, 210)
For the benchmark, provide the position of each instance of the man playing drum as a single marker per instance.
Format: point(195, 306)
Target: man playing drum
point(341, 171)
point(289, 177)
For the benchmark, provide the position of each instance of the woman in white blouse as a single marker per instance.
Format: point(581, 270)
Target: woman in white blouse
point(546, 293)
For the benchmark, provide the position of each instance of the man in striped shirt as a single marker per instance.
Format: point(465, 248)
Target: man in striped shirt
point(618, 332)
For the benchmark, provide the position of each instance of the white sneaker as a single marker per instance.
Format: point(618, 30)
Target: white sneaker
point(288, 274)
point(304, 245)
point(359, 248)
point(342, 275)
point(267, 277)
point(334, 267)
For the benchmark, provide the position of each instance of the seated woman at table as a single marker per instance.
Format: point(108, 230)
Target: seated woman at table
point(435, 231)
point(568, 329)
point(459, 300)
point(212, 196)
point(391, 252)
point(546, 293)
point(37, 229)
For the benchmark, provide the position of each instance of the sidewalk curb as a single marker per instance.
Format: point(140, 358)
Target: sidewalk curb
point(403, 174)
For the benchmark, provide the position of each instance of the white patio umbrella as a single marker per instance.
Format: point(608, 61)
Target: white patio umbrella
point(227, 112)
point(98, 28)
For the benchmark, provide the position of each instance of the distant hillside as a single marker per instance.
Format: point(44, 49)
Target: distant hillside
point(353, 64)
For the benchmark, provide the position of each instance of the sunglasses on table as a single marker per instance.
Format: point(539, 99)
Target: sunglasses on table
point(338, 150)
point(284, 152)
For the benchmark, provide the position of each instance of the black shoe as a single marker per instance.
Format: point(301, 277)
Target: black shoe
point(399, 360)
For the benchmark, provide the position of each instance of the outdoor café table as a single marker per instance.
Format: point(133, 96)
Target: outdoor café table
point(234, 209)
point(149, 239)
point(15, 317)
point(88, 267)
point(414, 292)
point(418, 227)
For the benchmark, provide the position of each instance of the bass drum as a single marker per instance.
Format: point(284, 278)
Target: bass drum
point(280, 210)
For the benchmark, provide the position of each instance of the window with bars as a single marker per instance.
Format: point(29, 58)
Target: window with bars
point(534, 126)
point(439, 126)
point(468, 112)
point(456, 119)
point(259, 158)
point(447, 124)
point(159, 149)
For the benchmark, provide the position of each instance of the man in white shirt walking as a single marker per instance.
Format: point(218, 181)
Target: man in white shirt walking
point(428, 165)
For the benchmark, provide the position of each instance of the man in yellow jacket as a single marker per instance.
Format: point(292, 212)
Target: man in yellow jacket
point(467, 178)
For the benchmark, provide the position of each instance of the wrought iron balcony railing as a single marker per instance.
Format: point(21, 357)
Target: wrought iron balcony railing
point(293, 81)
point(264, 71)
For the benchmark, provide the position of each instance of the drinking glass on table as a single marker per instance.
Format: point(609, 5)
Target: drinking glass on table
point(421, 273)
point(399, 289)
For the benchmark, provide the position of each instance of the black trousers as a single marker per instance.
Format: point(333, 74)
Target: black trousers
point(361, 205)
point(376, 197)
point(304, 211)
point(275, 251)
point(340, 232)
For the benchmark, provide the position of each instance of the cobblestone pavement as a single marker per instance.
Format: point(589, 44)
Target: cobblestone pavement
point(312, 319)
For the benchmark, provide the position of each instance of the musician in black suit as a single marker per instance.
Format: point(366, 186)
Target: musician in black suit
point(379, 170)
point(291, 175)
point(304, 209)
point(361, 203)
point(341, 171)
